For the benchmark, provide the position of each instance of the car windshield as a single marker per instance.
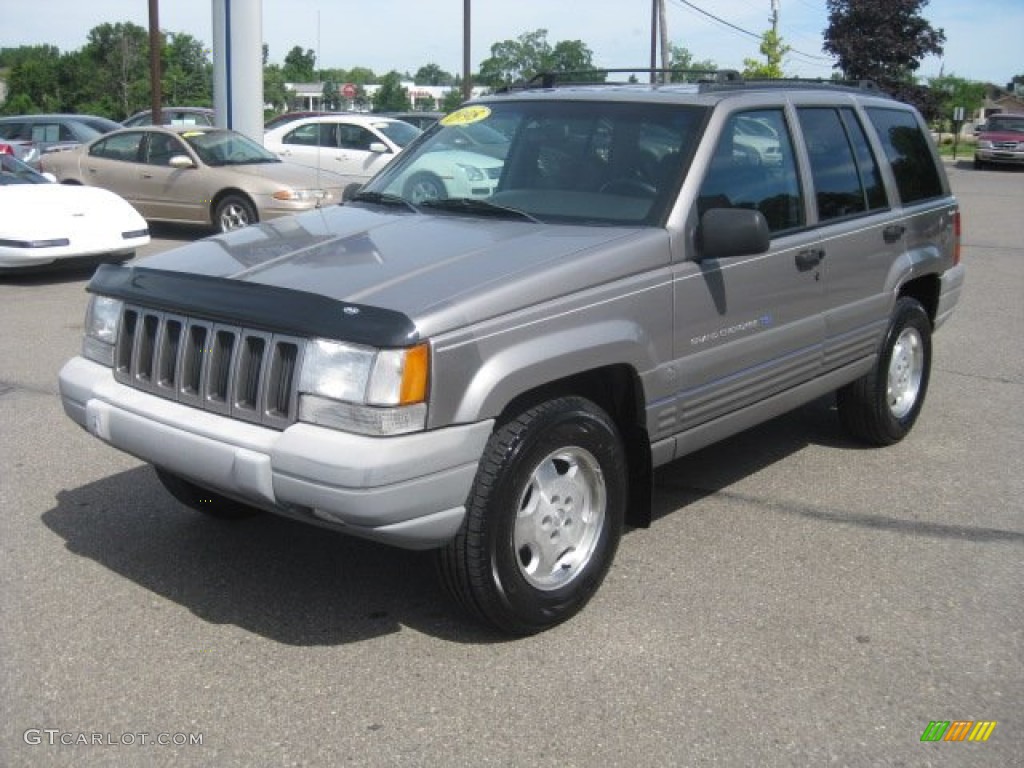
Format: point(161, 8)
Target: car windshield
point(1008, 124)
point(221, 147)
point(399, 132)
point(13, 171)
point(567, 161)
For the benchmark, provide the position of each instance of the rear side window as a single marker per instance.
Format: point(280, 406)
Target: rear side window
point(847, 181)
point(121, 146)
point(908, 151)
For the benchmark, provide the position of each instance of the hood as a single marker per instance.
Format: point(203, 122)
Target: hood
point(40, 210)
point(291, 174)
point(442, 271)
point(1015, 136)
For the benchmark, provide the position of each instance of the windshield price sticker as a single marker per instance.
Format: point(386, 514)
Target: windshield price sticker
point(466, 116)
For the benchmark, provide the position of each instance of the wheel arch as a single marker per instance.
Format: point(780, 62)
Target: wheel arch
point(217, 198)
point(617, 390)
point(926, 290)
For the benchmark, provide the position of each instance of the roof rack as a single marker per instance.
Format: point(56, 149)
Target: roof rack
point(708, 79)
point(587, 77)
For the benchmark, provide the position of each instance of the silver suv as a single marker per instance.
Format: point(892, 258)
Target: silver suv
point(493, 369)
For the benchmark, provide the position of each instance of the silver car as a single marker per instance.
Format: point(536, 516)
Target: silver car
point(39, 134)
point(195, 175)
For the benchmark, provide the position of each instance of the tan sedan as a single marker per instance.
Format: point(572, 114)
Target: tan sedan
point(195, 175)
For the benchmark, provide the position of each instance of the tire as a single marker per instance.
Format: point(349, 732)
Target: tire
point(233, 212)
point(881, 407)
point(424, 186)
point(202, 500)
point(543, 519)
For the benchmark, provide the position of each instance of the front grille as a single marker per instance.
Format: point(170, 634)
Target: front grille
point(237, 372)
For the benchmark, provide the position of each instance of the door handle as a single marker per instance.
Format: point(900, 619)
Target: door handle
point(893, 232)
point(809, 259)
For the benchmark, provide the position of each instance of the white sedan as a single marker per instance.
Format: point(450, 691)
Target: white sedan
point(42, 223)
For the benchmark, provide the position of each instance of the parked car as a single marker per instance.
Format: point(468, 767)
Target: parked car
point(44, 223)
point(173, 116)
point(195, 175)
point(49, 132)
point(355, 146)
point(288, 117)
point(421, 120)
point(496, 378)
point(1000, 141)
point(25, 151)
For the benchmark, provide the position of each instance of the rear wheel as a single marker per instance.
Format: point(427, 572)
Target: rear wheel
point(881, 407)
point(543, 520)
point(233, 212)
point(202, 500)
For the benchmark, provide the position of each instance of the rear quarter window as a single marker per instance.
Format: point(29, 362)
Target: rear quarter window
point(909, 154)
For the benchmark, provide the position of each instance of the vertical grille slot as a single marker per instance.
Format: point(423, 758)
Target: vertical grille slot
point(167, 355)
point(145, 352)
point(249, 376)
point(280, 380)
point(125, 346)
point(218, 370)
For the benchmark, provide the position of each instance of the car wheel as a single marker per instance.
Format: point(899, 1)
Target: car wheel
point(202, 500)
point(424, 186)
point(543, 519)
point(979, 164)
point(881, 407)
point(233, 212)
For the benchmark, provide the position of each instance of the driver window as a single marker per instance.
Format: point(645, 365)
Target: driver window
point(754, 167)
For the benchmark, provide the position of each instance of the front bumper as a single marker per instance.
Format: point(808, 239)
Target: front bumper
point(407, 490)
point(1008, 156)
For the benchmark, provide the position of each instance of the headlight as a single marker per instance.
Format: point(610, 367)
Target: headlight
point(984, 144)
point(472, 172)
point(362, 389)
point(301, 195)
point(102, 319)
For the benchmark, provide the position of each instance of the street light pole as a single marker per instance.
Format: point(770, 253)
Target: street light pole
point(467, 81)
point(154, 61)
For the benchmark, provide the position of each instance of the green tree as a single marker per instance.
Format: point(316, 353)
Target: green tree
point(118, 55)
point(530, 54)
point(299, 66)
point(452, 100)
point(187, 77)
point(952, 92)
point(274, 92)
point(682, 59)
point(35, 78)
point(774, 51)
point(880, 40)
point(361, 76)
point(432, 74)
point(391, 96)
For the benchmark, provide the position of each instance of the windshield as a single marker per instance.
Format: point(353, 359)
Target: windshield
point(13, 171)
point(399, 132)
point(1009, 124)
point(219, 147)
point(566, 161)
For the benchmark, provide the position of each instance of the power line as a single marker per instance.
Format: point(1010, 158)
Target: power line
point(745, 31)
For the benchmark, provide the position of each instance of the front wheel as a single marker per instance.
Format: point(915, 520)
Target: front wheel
point(881, 407)
point(233, 212)
point(424, 186)
point(543, 519)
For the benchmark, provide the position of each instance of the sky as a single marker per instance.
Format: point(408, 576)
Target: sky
point(983, 37)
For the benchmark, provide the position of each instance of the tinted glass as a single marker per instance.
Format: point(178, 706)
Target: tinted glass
point(399, 132)
point(847, 180)
point(14, 171)
point(217, 147)
point(121, 146)
point(754, 167)
point(312, 135)
point(906, 146)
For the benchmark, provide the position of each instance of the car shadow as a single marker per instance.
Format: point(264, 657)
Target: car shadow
point(287, 581)
point(705, 472)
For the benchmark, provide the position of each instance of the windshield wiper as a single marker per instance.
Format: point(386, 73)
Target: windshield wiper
point(383, 198)
point(474, 205)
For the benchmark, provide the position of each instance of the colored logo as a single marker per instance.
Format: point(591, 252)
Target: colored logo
point(958, 730)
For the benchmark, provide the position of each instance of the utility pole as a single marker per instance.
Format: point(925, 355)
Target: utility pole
point(467, 81)
point(666, 56)
point(775, 17)
point(156, 97)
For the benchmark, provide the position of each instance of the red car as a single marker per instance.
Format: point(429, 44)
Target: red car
point(1000, 141)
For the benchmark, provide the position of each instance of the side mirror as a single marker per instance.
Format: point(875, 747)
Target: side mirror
point(181, 162)
point(350, 191)
point(726, 232)
point(379, 148)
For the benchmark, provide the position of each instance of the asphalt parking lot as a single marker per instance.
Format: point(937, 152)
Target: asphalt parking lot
point(799, 600)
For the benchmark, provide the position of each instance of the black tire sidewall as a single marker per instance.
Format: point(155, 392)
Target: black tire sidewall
point(425, 177)
point(907, 314)
point(556, 429)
